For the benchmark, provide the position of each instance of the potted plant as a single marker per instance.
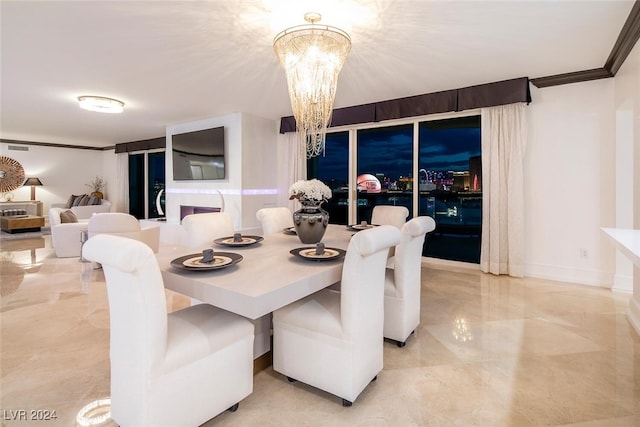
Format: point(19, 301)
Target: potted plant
point(97, 185)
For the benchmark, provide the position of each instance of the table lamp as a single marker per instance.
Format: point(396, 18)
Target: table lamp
point(33, 182)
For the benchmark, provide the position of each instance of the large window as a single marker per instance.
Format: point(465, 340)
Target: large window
point(446, 182)
point(146, 181)
point(385, 168)
point(333, 169)
point(450, 187)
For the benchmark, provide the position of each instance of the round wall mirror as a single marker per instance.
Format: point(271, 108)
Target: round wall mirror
point(11, 174)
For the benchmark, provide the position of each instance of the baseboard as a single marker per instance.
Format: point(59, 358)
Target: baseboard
point(633, 313)
point(262, 362)
point(445, 263)
point(622, 283)
point(585, 276)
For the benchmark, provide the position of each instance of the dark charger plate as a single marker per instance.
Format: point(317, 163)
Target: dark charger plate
point(222, 260)
point(246, 241)
point(309, 253)
point(290, 231)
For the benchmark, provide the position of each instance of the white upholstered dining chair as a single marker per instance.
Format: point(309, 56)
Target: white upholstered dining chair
point(177, 369)
point(402, 282)
point(274, 220)
point(333, 340)
point(203, 228)
point(124, 225)
point(389, 215)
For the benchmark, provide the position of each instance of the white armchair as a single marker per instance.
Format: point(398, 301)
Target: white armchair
point(274, 220)
point(333, 340)
point(125, 225)
point(402, 282)
point(65, 237)
point(202, 229)
point(177, 369)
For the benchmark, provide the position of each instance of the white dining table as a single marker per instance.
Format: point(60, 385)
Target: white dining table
point(267, 278)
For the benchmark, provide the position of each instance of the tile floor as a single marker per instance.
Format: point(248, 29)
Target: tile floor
point(490, 351)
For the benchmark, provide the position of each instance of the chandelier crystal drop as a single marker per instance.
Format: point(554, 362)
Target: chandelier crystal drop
point(312, 56)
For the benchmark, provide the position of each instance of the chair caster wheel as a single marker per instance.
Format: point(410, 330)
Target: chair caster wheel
point(291, 380)
point(346, 403)
point(401, 344)
point(234, 408)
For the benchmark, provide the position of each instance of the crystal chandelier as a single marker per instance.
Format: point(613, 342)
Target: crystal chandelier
point(312, 56)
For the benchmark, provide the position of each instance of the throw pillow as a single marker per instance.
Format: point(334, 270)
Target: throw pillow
point(84, 201)
point(77, 200)
point(94, 200)
point(70, 201)
point(68, 216)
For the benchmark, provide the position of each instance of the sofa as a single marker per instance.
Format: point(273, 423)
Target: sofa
point(85, 211)
point(66, 236)
point(33, 208)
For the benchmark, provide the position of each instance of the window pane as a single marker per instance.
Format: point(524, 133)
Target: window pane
point(136, 185)
point(333, 170)
point(450, 184)
point(156, 183)
point(385, 165)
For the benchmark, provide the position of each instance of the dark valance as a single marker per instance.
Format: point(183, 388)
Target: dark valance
point(485, 95)
point(146, 144)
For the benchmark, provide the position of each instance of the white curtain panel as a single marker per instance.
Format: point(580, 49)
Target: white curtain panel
point(504, 139)
point(122, 183)
point(292, 166)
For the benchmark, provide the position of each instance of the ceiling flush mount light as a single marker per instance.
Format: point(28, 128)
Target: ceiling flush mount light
point(312, 56)
point(100, 104)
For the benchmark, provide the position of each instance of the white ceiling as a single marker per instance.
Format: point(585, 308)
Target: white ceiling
point(178, 61)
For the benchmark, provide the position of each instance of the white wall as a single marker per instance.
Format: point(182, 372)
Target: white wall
point(63, 171)
point(205, 193)
point(250, 166)
point(570, 182)
point(627, 166)
point(259, 168)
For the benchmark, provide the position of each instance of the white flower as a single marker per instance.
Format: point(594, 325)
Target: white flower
point(309, 190)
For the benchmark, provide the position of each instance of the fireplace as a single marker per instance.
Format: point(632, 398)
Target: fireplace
point(188, 210)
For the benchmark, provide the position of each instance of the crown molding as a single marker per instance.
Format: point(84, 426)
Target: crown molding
point(627, 39)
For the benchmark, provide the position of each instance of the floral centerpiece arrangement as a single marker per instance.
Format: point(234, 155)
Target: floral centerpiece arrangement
point(312, 190)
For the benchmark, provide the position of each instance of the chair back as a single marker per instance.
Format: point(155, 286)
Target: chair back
point(114, 223)
point(274, 220)
point(407, 263)
point(202, 229)
point(362, 286)
point(389, 215)
point(137, 309)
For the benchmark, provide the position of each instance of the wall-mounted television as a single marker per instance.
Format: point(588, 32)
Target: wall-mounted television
point(198, 155)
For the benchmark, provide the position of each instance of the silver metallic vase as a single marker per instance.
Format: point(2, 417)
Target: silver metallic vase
point(310, 221)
